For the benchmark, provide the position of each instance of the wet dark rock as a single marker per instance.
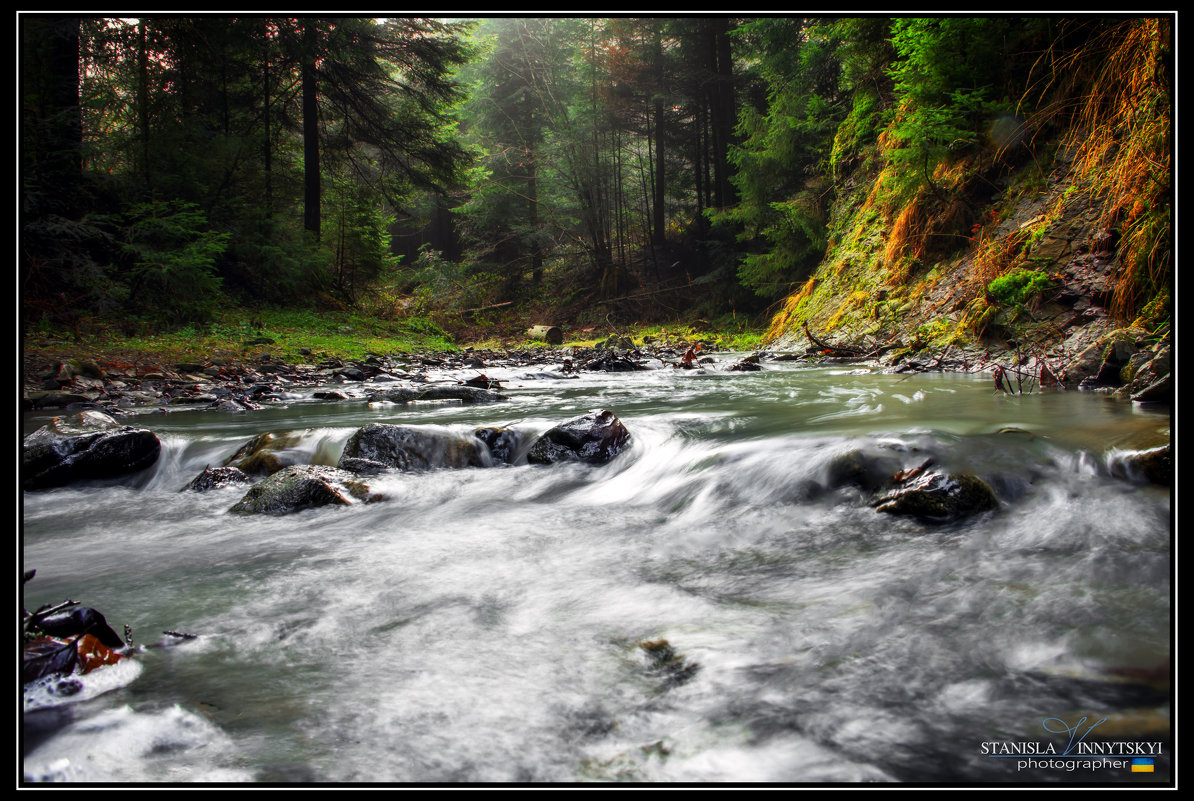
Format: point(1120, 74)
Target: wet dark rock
point(748, 365)
point(505, 444)
point(860, 468)
point(299, 487)
point(939, 498)
point(1160, 391)
point(79, 620)
point(86, 445)
point(1154, 465)
point(329, 394)
point(217, 477)
point(235, 404)
point(54, 399)
point(613, 363)
point(460, 392)
point(594, 438)
point(412, 448)
point(455, 392)
point(397, 394)
point(1151, 381)
point(668, 665)
point(363, 467)
point(265, 453)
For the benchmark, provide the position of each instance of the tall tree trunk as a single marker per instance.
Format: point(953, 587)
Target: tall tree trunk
point(660, 221)
point(310, 147)
point(725, 101)
point(268, 151)
point(143, 100)
point(533, 217)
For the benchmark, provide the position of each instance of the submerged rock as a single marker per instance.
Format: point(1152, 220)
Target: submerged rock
point(216, 477)
point(749, 364)
point(939, 498)
point(411, 448)
point(363, 467)
point(594, 438)
point(457, 392)
point(86, 445)
point(859, 468)
point(298, 487)
point(1154, 465)
point(460, 392)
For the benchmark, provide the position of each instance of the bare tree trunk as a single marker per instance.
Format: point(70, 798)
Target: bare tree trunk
point(311, 189)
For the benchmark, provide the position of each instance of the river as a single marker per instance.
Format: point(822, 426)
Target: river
point(704, 609)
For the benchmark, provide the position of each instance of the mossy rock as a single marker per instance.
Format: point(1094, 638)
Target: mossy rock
point(299, 487)
point(262, 455)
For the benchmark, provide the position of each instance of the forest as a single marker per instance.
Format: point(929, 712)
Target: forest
point(176, 167)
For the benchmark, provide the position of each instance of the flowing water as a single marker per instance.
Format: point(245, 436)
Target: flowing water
point(705, 608)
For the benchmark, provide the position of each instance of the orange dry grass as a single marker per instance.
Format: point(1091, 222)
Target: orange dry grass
point(994, 257)
point(906, 240)
point(1121, 143)
point(779, 323)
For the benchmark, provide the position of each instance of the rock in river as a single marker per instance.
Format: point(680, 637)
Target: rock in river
point(217, 477)
point(86, 445)
point(266, 453)
point(939, 498)
point(594, 438)
point(304, 486)
point(412, 447)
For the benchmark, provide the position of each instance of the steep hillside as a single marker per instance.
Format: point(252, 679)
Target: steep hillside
point(1052, 236)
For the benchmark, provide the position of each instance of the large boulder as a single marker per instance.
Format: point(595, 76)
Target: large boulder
point(306, 486)
point(412, 447)
point(86, 445)
point(939, 498)
point(594, 438)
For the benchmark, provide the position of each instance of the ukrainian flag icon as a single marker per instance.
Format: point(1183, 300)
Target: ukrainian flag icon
point(1142, 765)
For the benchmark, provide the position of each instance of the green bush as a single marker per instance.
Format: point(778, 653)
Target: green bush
point(1019, 286)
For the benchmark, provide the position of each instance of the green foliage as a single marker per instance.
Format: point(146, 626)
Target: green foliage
point(948, 79)
point(855, 132)
point(1019, 286)
point(785, 148)
point(173, 255)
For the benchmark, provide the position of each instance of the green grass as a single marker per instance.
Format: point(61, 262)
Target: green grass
point(346, 335)
point(324, 334)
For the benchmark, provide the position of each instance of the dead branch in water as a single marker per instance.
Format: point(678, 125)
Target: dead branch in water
point(835, 350)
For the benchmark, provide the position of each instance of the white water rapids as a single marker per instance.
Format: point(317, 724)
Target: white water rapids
point(506, 624)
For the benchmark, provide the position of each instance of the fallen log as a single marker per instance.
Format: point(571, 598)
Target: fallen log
point(550, 334)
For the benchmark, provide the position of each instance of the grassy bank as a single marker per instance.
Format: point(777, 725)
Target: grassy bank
point(305, 335)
